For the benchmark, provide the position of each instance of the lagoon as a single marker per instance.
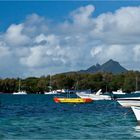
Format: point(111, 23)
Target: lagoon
point(35, 117)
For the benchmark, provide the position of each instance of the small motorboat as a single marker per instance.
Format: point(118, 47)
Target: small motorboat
point(118, 92)
point(72, 100)
point(128, 102)
point(52, 92)
point(136, 111)
point(19, 93)
point(94, 96)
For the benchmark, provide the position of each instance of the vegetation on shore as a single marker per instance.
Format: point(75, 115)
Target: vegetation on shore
point(105, 81)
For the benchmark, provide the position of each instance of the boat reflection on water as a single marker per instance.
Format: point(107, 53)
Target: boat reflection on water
point(137, 128)
point(137, 131)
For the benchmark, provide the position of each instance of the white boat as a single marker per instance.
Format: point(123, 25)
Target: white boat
point(19, 90)
point(19, 93)
point(52, 92)
point(136, 91)
point(128, 102)
point(94, 96)
point(50, 88)
point(118, 92)
point(136, 111)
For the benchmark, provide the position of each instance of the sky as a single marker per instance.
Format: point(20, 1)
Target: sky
point(43, 37)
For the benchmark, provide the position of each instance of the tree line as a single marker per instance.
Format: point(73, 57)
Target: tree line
point(81, 81)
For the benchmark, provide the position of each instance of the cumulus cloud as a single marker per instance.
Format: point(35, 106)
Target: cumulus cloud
point(83, 15)
point(37, 47)
point(4, 51)
point(96, 51)
point(35, 25)
point(117, 52)
point(118, 27)
point(14, 35)
point(40, 38)
point(45, 54)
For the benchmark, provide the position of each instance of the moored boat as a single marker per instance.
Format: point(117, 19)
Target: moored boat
point(94, 96)
point(136, 91)
point(118, 92)
point(52, 92)
point(136, 111)
point(72, 100)
point(19, 93)
point(128, 102)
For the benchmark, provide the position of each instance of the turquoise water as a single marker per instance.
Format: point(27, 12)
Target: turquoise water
point(35, 117)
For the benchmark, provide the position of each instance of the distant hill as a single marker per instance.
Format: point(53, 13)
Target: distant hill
point(109, 66)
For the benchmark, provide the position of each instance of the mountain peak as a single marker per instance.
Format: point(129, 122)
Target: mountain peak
point(111, 61)
point(98, 65)
point(109, 66)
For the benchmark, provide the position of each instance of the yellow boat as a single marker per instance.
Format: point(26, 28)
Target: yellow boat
point(72, 100)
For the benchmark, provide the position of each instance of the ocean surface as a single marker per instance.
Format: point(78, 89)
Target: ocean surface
point(38, 117)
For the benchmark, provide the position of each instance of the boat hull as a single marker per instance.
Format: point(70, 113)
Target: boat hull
point(136, 111)
point(20, 93)
point(93, 96)
point(51, 93)
point(72, 100)
point(129, 102)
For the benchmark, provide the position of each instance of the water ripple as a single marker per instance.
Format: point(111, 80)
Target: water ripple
point(35, 117)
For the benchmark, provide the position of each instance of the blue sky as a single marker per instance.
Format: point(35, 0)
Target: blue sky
point(40, 38)
point(15, 12)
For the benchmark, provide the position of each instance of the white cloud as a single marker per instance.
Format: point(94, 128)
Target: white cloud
point(46, 54)
point(83, 15)
point(37, 47)
point(14, 35)
point(40, 38)
point(41, 56)
point(127, 18)
point(96, 51)
point(122, 26)
point(120, 53)
point(35, 25)
point(35, 57)
point(4, 51)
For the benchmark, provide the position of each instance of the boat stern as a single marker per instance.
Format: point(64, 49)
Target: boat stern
point(87, 100)
point(56, 100)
